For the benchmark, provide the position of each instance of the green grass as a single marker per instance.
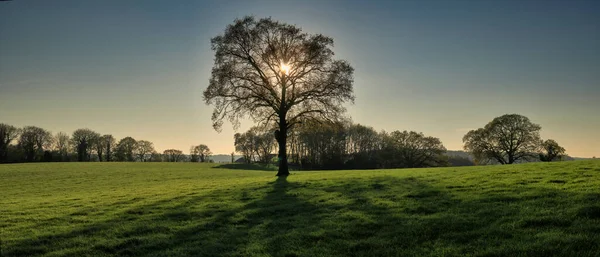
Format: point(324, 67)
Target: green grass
point(162, 209)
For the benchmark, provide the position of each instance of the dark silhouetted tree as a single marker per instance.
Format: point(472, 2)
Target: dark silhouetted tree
point(34, 141)
point(506, 139)
point(84, 140)
point(8, 133)
point(551, 151)
point(125, 151)
point(273, 72)
point(106, 144)
point(415, 150)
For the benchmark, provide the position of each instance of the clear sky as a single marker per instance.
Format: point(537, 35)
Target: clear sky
point(138, 68)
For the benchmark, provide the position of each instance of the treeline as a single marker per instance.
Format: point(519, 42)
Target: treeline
point(330, 145)
point(35, 144)
point(510, 138)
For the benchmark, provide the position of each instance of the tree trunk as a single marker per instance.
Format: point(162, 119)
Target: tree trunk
point(281, 136)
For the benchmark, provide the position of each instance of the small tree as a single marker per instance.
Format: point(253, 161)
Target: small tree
point(144, 149)
point(551, 151)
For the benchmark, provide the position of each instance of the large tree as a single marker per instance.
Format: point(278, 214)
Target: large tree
point(273, 72)
point(84, 141)
point(34, 141)
point(8, 133)
point(551, 151)
point(506, 139)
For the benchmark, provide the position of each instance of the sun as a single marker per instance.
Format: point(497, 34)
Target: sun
point(285, 68)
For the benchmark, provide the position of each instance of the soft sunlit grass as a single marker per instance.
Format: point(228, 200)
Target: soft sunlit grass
point(184, 209)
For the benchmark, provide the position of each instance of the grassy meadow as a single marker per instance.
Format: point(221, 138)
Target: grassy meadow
point(187, 209)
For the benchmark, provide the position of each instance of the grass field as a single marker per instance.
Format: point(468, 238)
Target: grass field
point(184, 209)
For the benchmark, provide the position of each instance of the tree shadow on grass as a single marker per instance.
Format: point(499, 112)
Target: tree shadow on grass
point(379, 216)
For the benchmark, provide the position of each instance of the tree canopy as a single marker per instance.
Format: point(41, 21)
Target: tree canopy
point(273, 72)
point(506, 139)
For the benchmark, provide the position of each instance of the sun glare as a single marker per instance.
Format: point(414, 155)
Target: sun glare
point(285, 68)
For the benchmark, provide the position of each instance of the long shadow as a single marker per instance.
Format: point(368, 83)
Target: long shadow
point(379, 216)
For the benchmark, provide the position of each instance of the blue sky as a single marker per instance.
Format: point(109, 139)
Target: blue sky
point(138, 68)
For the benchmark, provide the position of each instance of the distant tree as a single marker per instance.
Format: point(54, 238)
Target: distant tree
point(322, 144)
point(62, 145)
point(263, 144)
point(200, 153)
point(143, 149)
point(194, 155)
point(244, 144)
point(506, 139)
point(362, 146)
point(232, 157)
point(204, 153)
point(156, 157)
point(125, 150)
point(415, 150)
point(173, 155)
point(551, 151)
point(273, 72)
point(106, 144)
point(8, 133)
point(34, 141)
point(84, 141)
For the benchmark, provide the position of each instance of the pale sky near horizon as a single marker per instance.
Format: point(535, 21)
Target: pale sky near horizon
point(138, 68)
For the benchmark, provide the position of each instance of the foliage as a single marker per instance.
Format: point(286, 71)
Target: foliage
point(106, 144)
point(33, 142)
point(167, 209)
point(84, 140)
point(8, 133)
point(125, 151)
point(506, 139)
point(551, 151)
point(341, 145)
point(200, 153)
point(273, 72)
point(173, 155)
point(144, 149)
